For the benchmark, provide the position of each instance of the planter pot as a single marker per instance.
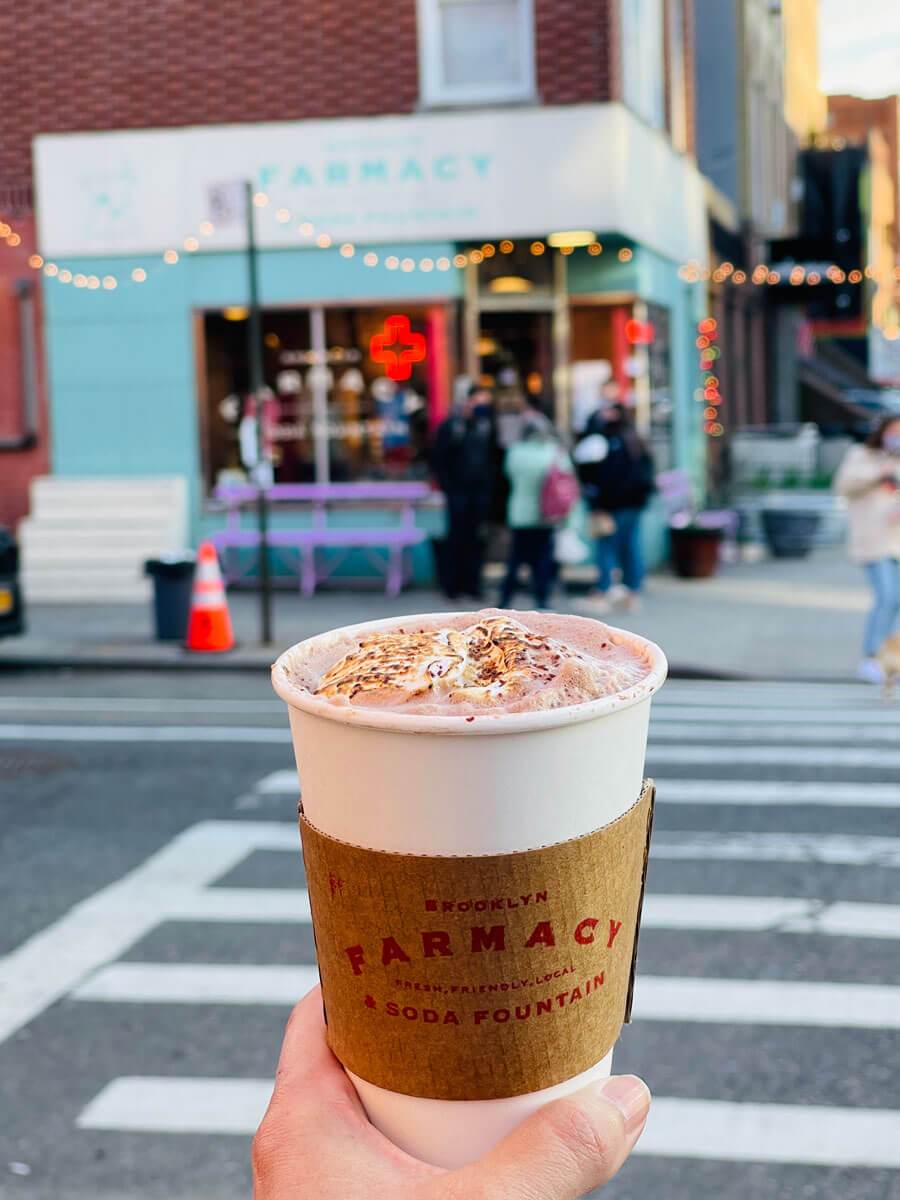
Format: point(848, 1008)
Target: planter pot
point(789, 533)
point(695, 552)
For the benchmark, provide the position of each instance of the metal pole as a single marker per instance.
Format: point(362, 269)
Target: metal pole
point(319, 375)
point(257, 383)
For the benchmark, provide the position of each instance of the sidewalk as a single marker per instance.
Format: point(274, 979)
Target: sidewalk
point(777, 619)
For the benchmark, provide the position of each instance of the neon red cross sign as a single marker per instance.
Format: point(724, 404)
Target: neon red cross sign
point(397, 347)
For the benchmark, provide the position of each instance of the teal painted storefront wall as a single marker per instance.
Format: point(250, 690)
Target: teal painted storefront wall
point(652, 278)
point(122, 371)
point(122, 363)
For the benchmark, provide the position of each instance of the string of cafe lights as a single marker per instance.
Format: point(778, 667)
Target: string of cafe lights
point(690, 272)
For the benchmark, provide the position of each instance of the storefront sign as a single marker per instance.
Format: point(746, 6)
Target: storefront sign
point(458, 176)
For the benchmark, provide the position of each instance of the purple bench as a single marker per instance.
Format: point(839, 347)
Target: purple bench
point(314, 499)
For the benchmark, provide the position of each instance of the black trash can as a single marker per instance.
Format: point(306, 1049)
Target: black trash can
point(172, 578)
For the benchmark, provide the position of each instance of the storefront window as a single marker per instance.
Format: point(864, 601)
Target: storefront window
point(349, 390)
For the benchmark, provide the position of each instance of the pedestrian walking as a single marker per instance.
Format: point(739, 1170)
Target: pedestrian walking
point(617, 487)
point(464, 461)
point(543, 490)
point(869, 480)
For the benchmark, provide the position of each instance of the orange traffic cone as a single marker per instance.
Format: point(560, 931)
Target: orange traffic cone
point(210, 625)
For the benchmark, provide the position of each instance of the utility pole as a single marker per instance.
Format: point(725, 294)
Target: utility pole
point(257, 384)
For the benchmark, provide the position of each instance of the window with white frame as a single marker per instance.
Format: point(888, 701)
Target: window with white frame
point(476, 51)
point(642, 59)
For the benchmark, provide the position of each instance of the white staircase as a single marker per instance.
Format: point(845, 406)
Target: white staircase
point(85, 540)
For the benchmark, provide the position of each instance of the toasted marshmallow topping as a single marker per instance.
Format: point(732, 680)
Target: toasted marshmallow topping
point(490, 664)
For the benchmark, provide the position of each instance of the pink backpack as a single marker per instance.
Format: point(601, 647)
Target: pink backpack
point(559, 494)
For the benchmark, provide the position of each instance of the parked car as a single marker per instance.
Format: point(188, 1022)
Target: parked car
point(12, 617)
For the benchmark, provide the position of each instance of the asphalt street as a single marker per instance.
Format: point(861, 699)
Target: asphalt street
point(154, 936)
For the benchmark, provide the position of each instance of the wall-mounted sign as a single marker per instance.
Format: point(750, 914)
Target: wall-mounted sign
point(494, 173)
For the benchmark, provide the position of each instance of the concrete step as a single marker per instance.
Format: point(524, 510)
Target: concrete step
point(165, 491)
point(86, 539)
point(41, 543)
point(113, 517)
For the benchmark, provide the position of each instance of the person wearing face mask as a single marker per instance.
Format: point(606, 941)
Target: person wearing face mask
point(465, 459)
point(869, 480)
point(616, 487)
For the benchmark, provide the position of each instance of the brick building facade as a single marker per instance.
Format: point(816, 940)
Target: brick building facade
point(853, 119)
point(117, 64)
point(584, 110)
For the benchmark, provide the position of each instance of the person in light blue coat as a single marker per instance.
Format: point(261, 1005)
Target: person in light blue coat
point(526, 465)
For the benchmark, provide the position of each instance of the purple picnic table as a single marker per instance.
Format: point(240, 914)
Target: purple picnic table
point(315, 499)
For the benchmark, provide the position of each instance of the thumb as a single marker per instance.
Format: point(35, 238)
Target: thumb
point(566, 1148)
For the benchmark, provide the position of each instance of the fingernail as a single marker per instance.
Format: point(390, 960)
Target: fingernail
point(631, 1096)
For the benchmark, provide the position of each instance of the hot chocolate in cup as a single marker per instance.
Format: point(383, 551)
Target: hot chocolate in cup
point(466, 734)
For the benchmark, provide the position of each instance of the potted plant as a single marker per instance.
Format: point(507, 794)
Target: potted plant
point(790, 533)
point(695, 549)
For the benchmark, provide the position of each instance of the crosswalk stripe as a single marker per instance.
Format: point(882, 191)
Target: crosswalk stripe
point(198, 983)
point(769, 714)
point(697, 753)
point(780, 792)
point(834, 849)
point(48, 964)
point(162, 1104)
point(724, 1001)
point(678, 1128)
point(827, 694)
point(772, 1133)
point(143, 733)
point(279, 782)
point(773, 732)
point(768, 914)
point(693, 753)
point(766, 1002)
point(137, 704)
point(711, 791)
point(724, 914)
point(219, 904)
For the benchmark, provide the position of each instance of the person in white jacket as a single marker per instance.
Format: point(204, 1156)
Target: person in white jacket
point(869, 480)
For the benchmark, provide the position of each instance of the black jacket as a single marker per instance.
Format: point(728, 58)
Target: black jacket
point(624, 479)
point(465, 455)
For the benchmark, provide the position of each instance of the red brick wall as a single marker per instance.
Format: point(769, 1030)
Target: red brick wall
point(852, 117)
point(17, 467)
point(577, 49)
point(118, 64)
point(114, 64)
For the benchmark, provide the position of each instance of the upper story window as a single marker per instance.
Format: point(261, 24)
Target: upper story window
point(476, 51)
point(643, 73)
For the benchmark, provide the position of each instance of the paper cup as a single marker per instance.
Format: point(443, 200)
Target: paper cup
point(442, 785)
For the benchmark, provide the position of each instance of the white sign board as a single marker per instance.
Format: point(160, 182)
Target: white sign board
point(455, 176)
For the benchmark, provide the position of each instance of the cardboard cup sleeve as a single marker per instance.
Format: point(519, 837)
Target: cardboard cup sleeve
point(477, 977)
